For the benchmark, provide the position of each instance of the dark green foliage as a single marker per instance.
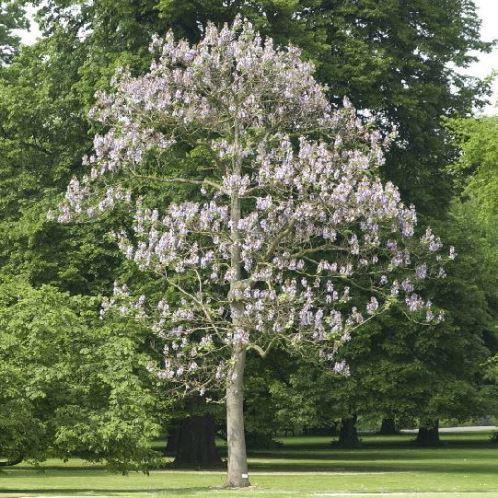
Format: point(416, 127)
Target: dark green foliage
point(289, 395)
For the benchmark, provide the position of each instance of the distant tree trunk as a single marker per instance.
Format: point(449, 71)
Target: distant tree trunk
point(334, 429)
point(172, 442)
point(428, 433)
point(195, 442)
point(348, 434)
point(388, 427)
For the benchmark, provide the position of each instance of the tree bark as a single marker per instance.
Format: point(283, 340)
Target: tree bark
point(388, 427)
point(238, 476)
point(428, 433)
point(348, 434)
point(195, 443)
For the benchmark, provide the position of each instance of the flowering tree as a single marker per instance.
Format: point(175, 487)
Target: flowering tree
point(295, 240)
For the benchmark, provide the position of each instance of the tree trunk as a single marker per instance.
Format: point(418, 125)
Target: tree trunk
point(238, 476)
point(388, 427)
point(195, 444)
point(172, 442)
point(428, 433)
point(334, 429)
point(348, 434)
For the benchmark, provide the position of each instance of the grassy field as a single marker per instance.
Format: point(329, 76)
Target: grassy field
point(466, 465)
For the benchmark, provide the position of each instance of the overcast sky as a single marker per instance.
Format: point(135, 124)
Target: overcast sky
point(488, 12)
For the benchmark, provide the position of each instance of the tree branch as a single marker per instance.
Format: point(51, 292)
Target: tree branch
point(179, 180)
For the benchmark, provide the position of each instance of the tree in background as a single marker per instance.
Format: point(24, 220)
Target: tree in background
point(406, 370)
point(72, 384)
point(442, 369)
point(391, 58)
point(295, 226)
point(476, 175)
point(43, 134)
point(430, 373)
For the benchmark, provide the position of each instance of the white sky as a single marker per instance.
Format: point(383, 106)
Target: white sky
point(488, 12)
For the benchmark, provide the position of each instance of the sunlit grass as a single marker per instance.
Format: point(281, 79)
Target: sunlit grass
point(466, 465)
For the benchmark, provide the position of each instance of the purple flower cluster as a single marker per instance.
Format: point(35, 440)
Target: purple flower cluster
point(292, 231)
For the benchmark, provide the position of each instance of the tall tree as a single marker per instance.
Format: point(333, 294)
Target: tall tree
point(296, 226)
point(369, 50)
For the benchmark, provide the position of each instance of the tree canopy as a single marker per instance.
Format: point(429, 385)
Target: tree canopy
point(72, 385)
point(399, 60)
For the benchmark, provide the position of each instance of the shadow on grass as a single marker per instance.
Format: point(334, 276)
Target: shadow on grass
point(374, 467)
point(390, 442)
point(106, 491)
point(472, 454)
point(368, 456)
point(366, 463)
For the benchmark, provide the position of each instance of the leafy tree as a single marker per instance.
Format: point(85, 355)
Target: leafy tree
point(43, 134)
point(291, 195)
point(476, 174)
point(406, 370)
point(71, 384)
point(429, 372)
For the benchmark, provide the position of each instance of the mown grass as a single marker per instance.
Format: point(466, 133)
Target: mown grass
point(466, 465)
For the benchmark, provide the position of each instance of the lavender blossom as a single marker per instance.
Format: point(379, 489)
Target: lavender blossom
point(292, 224)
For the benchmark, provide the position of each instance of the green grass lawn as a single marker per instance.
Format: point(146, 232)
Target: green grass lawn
point(465, 466)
